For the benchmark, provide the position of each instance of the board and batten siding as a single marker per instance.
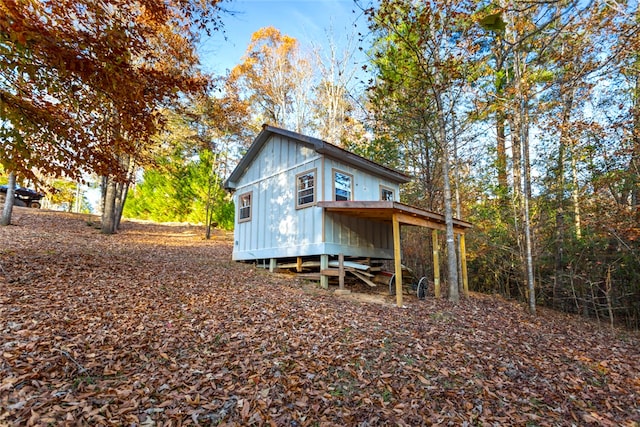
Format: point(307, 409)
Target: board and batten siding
point(353, 236)
point(277, 228)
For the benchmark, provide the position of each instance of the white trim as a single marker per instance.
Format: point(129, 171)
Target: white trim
point(240, 207)
point(312, 249)
point(334, 172)
point(393, 192)
point(313, 172)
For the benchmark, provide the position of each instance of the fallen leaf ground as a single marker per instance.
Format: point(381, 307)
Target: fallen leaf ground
point(156, 326)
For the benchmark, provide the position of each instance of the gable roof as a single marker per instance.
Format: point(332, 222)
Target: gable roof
point(321, 147)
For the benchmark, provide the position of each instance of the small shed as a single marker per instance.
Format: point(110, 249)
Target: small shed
point(303, 199)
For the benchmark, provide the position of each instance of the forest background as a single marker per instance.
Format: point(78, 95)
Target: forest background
point(528, 112)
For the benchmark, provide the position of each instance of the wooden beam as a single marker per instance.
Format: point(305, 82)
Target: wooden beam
point(397, 254)
point(299, 264)
point(350, 264)
point(436, 262)
point(310, 276)
point(341, 270)
point(463, 258)
point(364, 273)
point(384, 210)
point(362, 277)
point(332, 272)
point(419, 222)
point(324, 264)
point(305, 264)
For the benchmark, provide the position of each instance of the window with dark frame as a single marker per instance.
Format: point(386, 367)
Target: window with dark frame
point(342, 186)
point(386, 194)
point(244, 209)
point(306, 188)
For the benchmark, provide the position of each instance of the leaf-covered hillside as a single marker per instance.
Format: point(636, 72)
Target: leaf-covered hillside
point(156, 326)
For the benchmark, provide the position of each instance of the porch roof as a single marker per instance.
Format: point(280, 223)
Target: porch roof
point(387, 210)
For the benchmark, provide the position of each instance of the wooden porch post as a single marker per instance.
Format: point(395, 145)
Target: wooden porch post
point(463, 258)
point(436, 262)
point(341, 271)
point(397, 259)
point(324, 264)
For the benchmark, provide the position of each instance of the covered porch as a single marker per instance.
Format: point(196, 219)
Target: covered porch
point(400, 214)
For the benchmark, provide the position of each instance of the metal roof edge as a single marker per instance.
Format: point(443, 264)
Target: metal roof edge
point(320, 146)
point(254, 148)
point(363, 163)
point(324, 147)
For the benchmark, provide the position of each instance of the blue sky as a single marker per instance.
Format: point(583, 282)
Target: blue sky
point(308, 21)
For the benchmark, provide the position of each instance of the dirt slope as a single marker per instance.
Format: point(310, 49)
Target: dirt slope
point(156, 326)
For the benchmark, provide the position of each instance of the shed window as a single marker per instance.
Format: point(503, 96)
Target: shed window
point(386, 194)
point(342, 186)
point(306, 188)
point(244, 208)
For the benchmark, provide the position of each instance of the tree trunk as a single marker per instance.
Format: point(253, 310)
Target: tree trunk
point(527, 234)
point(211, 193)
point(560, 229)
point(526, 158)
point(8, 202)
point(575, 193)
point(109, 207)
point(122, 190)
point(519, 123)
point(525, 176)
point(208, 210)
point(114, 196)
point(103, 193)
point(516, 153)
point(456, 178)
point(452, 263)
point(501, 155)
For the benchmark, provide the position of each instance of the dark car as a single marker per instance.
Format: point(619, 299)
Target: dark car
point(24, 197)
